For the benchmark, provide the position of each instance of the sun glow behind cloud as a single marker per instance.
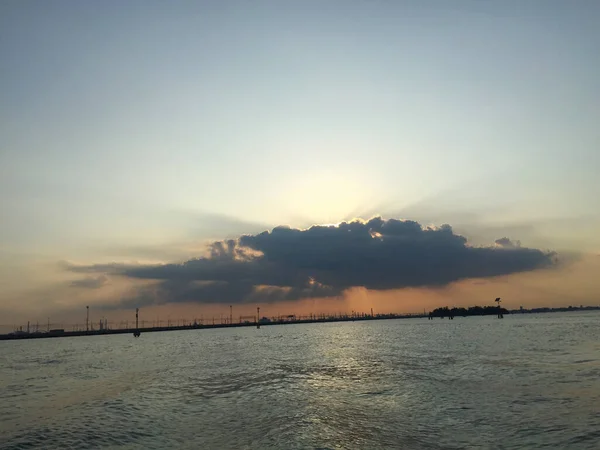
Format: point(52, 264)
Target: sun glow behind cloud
point(326, 196)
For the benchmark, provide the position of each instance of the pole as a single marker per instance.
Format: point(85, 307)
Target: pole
point(230, 315)
point(258, 317)
point(136, 333)
point(87, 319)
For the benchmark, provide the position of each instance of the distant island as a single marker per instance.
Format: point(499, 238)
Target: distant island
point(494, 310)
point(470, 311)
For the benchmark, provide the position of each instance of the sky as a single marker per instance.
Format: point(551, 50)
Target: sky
point(136, 137)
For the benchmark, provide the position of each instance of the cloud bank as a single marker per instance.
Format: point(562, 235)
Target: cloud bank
point(324, 261)
point(90, 282)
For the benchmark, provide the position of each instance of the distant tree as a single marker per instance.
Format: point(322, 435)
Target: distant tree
point(471, 311)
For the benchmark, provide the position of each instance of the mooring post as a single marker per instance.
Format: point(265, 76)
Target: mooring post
point(137, 333)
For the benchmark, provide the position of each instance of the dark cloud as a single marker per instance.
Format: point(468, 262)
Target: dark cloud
point(180, 291)
point(90, 282)
point(507, 243)
point(96, 268)
point(323, 261)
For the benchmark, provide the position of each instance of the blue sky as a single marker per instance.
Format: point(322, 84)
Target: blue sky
point(138, 129)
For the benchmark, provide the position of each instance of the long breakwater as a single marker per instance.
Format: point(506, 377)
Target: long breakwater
point(199, 326)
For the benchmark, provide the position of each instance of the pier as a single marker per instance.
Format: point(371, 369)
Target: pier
point(254, 322)
point(34, 332)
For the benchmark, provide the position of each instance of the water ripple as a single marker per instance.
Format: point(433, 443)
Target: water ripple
point(472, 383)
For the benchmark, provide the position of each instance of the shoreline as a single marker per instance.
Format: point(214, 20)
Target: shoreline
point(56, 334)
point(331, 319)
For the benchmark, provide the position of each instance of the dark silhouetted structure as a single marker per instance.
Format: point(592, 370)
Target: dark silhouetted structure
point(464, 312)
point(500, 313)
point(137, 333)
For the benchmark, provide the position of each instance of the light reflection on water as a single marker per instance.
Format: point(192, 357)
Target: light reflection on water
point(522, 382)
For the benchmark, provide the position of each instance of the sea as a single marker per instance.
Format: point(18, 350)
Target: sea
point(527, 381)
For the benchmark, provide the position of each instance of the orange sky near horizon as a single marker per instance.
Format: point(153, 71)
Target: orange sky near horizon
point(572, 283)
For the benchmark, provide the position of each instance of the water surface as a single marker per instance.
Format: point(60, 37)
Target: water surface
point(527, 381)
